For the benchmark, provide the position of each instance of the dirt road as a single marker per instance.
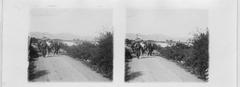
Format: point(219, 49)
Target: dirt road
point(158, 69)
point(65, 69)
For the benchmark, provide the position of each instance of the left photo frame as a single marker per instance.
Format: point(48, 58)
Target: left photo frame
point(70, 45)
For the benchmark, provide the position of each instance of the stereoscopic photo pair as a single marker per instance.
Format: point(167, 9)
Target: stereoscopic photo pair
point(76, 45)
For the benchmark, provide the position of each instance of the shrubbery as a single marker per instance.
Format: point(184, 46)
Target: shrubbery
point(32, 56)
point(128, 56)
point(99, 56)
point(104, 59)
point(84, 51)
point(194, 57)
point(201, 54)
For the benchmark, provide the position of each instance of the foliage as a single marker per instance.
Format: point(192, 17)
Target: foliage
point(195, 57)
point(201, 54)
point(83, 51)
point(104, 59)
point(99, 56)
point(32, 56)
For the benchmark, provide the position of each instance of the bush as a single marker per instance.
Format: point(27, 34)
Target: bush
point(99, 56)
point(201, 55)
point(84, 51)
point(177, 52)
point(104, 59)
point(195, 56)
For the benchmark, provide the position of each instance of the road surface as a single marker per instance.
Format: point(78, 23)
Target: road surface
point(158, 69)
point(65, 69)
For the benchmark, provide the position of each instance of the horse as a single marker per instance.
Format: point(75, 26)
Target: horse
point(49, 47)
point(57, 46)
point(150, 47)
point(43, 47)
point(138, 49)
point(143, 47)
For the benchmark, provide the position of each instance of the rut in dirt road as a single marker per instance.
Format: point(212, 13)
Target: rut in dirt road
point(158, 69)
point(65, 69)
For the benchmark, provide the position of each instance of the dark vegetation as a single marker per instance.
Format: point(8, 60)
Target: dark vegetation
point(32, 56)
point(128, 56)
point(193, 56)
point(99, 55)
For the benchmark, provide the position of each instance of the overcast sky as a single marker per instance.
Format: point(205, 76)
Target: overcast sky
point(171, 22)
point(87, 17)
point(175, 18)
point(83, 22)
point(79, 17)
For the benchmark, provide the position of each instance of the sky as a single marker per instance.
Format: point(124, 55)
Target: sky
point(169, 17)
point(170, 22)
point(78, 17)
point(174, 18)
point(82, 22)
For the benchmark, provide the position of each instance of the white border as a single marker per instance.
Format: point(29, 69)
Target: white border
point(1, 34)
point(238, 43)
point(222, 26)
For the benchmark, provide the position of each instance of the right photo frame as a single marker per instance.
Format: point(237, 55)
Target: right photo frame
point(166, 45)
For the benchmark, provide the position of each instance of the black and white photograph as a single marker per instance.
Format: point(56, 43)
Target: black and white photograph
point(119, 43)
point(167, 45)
point(70, 45)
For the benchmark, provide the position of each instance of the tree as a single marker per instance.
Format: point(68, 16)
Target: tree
point(201, 54)
point(104, 60)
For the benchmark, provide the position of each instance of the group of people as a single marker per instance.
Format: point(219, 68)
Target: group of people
point(44, 47)
point(140, 47)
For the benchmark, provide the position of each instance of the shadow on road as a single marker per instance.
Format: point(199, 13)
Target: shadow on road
point(38, 74)
point(130, 75)
point(134, 75)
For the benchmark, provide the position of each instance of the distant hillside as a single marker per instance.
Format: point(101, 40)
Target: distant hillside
point(62, 36)
point(156, 37)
